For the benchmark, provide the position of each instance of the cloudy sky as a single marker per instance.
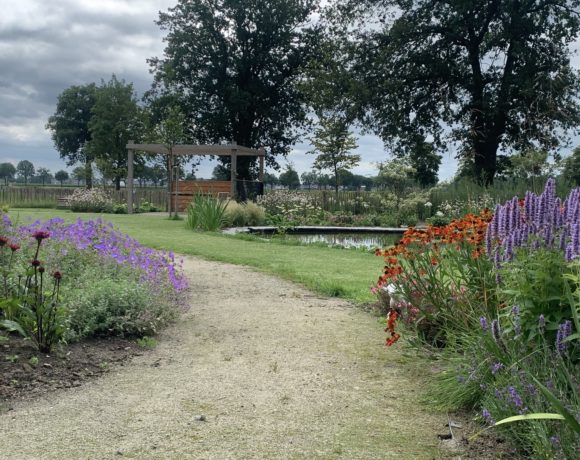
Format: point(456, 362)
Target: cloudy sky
point(47, 46)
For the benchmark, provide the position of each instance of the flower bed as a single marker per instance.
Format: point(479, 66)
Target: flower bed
point(496, 299)
point(66, 282)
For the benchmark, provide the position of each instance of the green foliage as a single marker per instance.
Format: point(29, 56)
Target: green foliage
point(332, 143)
point(25, 170)
point(69, 127)
point(207, 213)
point(289, 178)
point(246, 59)
point(115, 120)
point(30, 301)
point(61, 176)
point(147, 342)
point(244, 214)
point(571, 170)
point(435, 66)
point(114, 305)
point(7, 172)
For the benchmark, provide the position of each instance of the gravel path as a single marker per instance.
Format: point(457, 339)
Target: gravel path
point(259, 368)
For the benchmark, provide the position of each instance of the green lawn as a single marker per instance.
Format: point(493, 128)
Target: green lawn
point(334, 272)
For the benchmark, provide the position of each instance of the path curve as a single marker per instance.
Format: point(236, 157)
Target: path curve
point(258, 368)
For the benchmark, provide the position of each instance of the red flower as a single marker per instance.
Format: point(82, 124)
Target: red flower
point(35, 263)
point(3, 241)
point(40, 235)
point(15, 247)
point(57, 275)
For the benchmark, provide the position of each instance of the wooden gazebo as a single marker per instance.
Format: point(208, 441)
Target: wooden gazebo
point(189, 187)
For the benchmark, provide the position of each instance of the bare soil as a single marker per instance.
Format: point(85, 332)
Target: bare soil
point(259, 368)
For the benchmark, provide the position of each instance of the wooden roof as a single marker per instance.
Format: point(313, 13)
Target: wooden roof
point(189, 149)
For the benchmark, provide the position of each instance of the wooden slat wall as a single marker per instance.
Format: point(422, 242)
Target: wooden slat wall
point(187, 189)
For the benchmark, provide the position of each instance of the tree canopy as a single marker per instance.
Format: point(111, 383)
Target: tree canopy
point(115, 120)
point(69, 126)
point(25, 169)
point(61, 176)
point(332, 143)
point(235, 65)
point(7, 172)
point(492, 75)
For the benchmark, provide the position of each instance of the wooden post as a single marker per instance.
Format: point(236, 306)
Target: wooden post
point(261, 158)
point(169, 183)
point(234, 168)
point(130, 158)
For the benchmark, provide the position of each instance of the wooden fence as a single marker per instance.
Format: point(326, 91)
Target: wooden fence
point(47, 197)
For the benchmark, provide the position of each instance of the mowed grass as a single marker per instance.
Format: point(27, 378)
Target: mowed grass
point(333, 272)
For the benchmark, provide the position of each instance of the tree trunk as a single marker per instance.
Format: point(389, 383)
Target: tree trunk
point(117, 183)
point(88, 175)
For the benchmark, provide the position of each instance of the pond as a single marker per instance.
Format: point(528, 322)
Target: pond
point(345, 240)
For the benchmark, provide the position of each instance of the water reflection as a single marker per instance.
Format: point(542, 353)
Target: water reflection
point(347, 240)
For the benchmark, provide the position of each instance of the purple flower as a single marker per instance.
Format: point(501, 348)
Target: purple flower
point(542, 323)
point(487, 417)
point(483, 323)
point(495, 330)
point(496, 367)
point(564, 331)
point(515, 397)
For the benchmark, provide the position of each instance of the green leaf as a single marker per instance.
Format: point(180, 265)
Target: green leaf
point(520, 418)
point(13, 326)
point(570, 419)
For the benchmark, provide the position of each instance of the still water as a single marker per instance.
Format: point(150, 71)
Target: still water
point(346, 240)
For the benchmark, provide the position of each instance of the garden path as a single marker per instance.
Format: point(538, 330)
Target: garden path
point(258, 368)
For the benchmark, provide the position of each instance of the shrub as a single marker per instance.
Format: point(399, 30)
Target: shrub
point(115, 306)
point(235, 214)
point(255, 214)
point(206, 212)
point(90, 200)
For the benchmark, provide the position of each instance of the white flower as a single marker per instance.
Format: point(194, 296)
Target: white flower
point(439, 214)
point(428, 204)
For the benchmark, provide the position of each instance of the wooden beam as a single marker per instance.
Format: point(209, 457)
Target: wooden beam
point(130, 167)
point(189, 149)
point(261, 171)
point(234, 169)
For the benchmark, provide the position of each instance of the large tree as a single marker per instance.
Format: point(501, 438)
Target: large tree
point(115, 120)
point(332, 143)
point(69, 126)
point(493, 75)
point(25, 169)
point(7, 172)
point(235, 65)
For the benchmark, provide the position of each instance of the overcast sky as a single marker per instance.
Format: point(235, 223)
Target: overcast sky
point(47, 46)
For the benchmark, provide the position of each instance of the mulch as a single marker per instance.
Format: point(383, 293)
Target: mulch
point(27, 374)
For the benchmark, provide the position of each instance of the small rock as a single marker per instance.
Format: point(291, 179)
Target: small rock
point(120, 452)
point(47, 365)
point(76, 383)
point(127, 348)
point(201, 418)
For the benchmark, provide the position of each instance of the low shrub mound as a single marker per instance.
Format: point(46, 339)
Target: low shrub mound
point(91, 200)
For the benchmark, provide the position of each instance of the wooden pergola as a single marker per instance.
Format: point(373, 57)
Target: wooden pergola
point(232, 150)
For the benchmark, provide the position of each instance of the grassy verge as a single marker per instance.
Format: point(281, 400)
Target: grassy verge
point(333, 272)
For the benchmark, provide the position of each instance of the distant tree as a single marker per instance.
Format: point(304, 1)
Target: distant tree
point(61, 176)
point(237, 65)
point(221, 172)
point(271, 179)
point(170, 131)
point(116, 118)
point(69, 127)
point(309, 178)
point(79, 174)
point(289, 178)
point(25, 169)
point(571, 170)
point(332, 143)
point(7, 172)
point(397, 176)
point(425, 160)
point(43, 175)
point(157, 174)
